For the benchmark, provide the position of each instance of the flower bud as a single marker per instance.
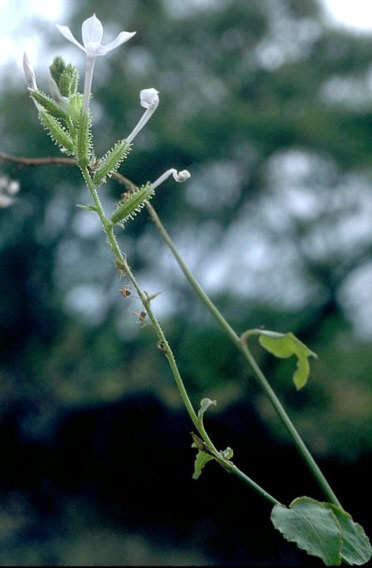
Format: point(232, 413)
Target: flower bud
point(177, 176)
point(29, 72)
point(181, 176)
point(149, 98)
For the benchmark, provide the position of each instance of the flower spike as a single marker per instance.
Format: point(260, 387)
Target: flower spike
point(149, 100)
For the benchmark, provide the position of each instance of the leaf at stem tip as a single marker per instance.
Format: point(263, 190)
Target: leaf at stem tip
point(202, 458)
point(205, 403)
point(323, 530)
point(286, 345)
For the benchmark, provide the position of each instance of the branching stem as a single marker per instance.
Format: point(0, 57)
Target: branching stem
point(239, 342)
point(146, 301)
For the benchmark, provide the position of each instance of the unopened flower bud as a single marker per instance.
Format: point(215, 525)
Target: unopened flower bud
point(29, 73)
point(177, 176)
point(181, 176)
point(149, 98)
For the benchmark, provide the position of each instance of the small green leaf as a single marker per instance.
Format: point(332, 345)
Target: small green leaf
point(205, 403)
point(312, 526)
point(202, 458)
point(87, 207)
point(356, 548)
point(197, 442)
point(286, 345)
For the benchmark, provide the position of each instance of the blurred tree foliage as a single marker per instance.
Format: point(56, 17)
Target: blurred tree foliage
point(271, 111)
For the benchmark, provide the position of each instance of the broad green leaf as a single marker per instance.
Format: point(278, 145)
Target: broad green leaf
point(356, 548)
point(312, 526)
point(286, 345)
point(202, 458)
point(205, 403)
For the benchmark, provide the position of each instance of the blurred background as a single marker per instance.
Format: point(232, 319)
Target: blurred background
point(269, 104)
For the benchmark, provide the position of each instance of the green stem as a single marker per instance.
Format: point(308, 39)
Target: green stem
point(165, 347)
point(241, 345)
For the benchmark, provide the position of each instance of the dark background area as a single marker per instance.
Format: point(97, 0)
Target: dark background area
point(271, 112)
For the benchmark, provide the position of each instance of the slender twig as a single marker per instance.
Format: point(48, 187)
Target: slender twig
point(50, 160)
point(226, 327)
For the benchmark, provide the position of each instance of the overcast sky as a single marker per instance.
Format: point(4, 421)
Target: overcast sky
point(16, 14)
point(353, 13)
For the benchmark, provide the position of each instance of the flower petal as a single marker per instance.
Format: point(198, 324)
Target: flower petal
point(92, 31)
point(66, 32)
point(121, 38)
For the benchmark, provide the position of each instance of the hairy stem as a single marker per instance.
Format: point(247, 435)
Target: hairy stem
point(108, 227)
point(226, 327)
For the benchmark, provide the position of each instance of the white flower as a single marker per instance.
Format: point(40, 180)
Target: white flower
point(8, 188)
point(177, 176)
point(149, 100)
point(92, 33)
point(13, 187)
point(29, 72)
point(5, 201)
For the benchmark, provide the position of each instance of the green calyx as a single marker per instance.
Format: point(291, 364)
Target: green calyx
point(68, 81)
point(49, 105)
point(83, 149)
point(57, 132)
point(110, 163)
point(132, 204)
